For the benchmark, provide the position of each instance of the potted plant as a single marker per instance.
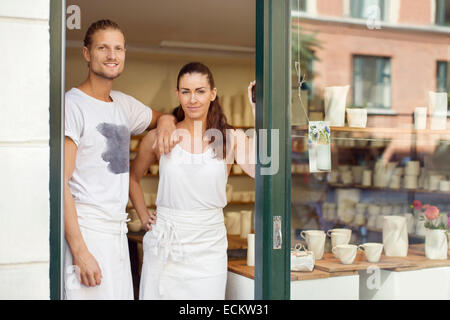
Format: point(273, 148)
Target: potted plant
point(436, 242)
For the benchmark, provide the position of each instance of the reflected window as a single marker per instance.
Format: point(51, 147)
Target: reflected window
point(443, 12)
point(443, 77)
point(372, 82)
point(364, 9)
point(302, 5)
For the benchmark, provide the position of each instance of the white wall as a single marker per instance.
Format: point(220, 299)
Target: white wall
point(24, 149)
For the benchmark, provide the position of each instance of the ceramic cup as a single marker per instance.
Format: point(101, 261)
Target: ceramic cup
point(347, 232)
point(357, 118)
point(444, 186)
point(345, 252)
point(347, 177)
point(372, 222)
point(434, 182)
point(412, 168)
point(372, 251)
point(374, 210)
point(360, 219)
point(334, 176)
point(358, 174)
point(367, 178)
point(410, 182)
point(361, 208)
point(315, 240)
point(338, 238)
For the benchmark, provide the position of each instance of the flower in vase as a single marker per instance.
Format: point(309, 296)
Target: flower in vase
point(432, 213)
point(417, 205)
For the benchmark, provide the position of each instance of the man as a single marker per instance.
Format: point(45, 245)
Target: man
point(98, 125)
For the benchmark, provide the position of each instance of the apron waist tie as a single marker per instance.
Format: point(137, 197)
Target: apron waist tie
point(107, 225)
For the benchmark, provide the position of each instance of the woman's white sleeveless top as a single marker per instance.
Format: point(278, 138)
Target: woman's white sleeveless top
point(189, 181)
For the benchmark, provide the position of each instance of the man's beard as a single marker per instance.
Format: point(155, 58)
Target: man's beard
point(104, 76)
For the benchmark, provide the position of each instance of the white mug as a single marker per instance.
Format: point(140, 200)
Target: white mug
point(345, 252)
point(338, 238)
point(347, 232)
point(315, 240)
point(372, 251)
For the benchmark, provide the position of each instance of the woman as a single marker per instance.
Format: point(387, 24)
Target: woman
point(185, 252)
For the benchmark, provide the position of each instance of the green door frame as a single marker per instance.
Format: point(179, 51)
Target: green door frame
point(273, 192)
point(57, 61)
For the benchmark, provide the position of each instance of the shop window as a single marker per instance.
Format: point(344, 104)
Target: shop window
point(443, 12)
point(372, 82)
point(364, 9)
point(443, 77)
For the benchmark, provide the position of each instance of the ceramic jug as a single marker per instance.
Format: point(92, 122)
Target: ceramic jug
point(335, 99)
point(395, 236)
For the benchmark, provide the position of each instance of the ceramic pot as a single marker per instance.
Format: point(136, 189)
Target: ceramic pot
point(436, 244)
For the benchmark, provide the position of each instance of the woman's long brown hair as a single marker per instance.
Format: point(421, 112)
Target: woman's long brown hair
point(215, 119)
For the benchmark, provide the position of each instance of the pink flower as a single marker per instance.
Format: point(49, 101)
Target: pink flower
point(432, 213)
point(417, 205)
point(448, 222)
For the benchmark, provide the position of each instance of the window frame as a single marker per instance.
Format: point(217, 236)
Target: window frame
point(362, 56)
point(360, 15)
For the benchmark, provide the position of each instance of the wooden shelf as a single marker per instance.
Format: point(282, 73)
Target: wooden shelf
point(240, 267)
point(358, 186)
point(381, 130)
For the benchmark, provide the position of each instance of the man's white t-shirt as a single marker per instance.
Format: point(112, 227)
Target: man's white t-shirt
point(101, 130)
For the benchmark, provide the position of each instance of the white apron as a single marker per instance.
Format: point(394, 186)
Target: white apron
point(105, 237)
point(185, 256)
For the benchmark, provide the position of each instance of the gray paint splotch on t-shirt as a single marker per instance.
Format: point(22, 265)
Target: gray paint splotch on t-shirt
point(117, 147)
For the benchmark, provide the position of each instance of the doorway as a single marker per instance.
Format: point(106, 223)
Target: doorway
point(161, 37)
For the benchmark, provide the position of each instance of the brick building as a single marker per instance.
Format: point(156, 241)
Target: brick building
point(391, 53)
